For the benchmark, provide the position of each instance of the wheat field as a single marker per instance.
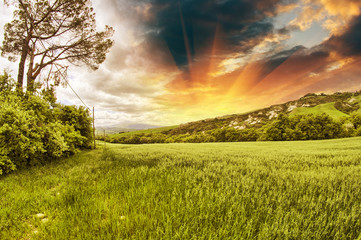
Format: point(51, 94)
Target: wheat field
point(259, 190)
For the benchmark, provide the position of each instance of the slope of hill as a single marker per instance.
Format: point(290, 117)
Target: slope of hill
point(337, 106)
point(114, 129)
point(146, 131)
point(328, 108)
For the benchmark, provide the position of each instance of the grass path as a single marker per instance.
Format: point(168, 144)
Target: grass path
point(263, 190)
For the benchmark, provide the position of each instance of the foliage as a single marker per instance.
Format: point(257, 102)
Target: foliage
point(32, 132)
point(7, 84)
point(347, 107)
point(79, 118)
point(50, 34)
point(303, 127)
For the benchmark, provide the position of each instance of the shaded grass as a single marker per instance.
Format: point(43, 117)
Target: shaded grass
point(263, 190)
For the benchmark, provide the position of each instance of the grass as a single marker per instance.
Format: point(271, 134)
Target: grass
point(262, 190)
point(327, 108)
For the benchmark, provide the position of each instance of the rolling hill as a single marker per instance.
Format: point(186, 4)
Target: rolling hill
point(336, 105)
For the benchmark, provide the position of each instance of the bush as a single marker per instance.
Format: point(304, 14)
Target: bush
point(20, 132)
point(79, 118)
point(32, 132)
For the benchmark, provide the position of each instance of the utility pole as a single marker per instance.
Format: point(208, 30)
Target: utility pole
point(105, 143)
point(94, 130)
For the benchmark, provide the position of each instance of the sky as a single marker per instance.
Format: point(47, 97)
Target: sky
point(178, 61)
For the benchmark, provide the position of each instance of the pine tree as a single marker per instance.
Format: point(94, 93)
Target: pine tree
point(48, 35)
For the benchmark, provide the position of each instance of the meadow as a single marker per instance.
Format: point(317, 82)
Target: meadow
point(244, 190)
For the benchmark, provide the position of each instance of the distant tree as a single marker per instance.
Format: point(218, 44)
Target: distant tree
point(276, 130)
point(356, 121)
point(50, 34)
point(6, 83)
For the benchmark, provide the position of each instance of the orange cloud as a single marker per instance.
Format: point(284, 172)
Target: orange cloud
point(338, 12)
point(308, 15)
point(345, 9)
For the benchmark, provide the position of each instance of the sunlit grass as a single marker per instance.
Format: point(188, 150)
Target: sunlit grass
point(263, 190)
point(327, 108)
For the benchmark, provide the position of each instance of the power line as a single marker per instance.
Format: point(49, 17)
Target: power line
point(75, 92)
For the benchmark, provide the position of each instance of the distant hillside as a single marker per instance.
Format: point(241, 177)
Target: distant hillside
point(119, 129)
point(336, 105)
point(313, 116)
point(146, 131)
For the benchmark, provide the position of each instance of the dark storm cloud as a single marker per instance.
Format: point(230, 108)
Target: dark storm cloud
point(277, 59)
point(298, 53)
point(298, 60)
point(349, 43)
point(189, 27)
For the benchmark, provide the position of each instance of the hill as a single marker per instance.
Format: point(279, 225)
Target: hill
point(144, 131)
point(337, 105)
point(115, 129)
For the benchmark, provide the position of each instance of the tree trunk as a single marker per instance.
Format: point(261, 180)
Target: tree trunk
point(30, 79)
point(30, 87)
point(24, 54)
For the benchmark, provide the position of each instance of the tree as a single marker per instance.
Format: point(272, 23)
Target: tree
point(277, 130)
point(356, 119)
point(50, 34)
point(6, 83)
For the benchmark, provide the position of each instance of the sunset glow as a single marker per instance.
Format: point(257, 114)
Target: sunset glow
point(179, 61)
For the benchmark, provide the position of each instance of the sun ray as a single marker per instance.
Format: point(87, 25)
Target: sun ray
point(186, 40)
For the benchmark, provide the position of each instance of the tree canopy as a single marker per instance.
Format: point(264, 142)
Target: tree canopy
point(48, 35)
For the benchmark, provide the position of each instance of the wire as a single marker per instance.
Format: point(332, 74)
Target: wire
point(74, 91)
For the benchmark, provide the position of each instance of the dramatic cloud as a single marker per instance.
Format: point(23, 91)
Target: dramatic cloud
point(190, 29)
point(181, 60)
point(349, 42)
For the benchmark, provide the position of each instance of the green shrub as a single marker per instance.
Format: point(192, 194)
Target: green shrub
point(32, 132)
point(20, 133)
point(79, 118)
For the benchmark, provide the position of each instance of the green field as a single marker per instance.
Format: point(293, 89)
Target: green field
point(327, 108)
point(261, 190)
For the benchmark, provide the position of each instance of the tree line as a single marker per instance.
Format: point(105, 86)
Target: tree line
point(283, 128)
